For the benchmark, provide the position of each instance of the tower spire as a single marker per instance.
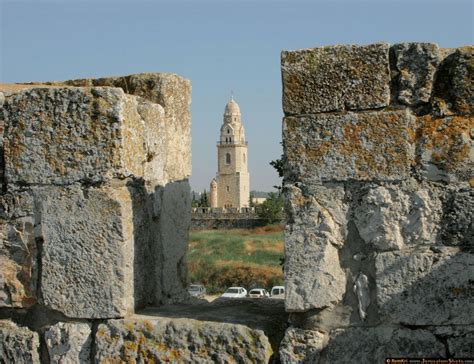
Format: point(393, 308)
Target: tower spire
point(232, 95)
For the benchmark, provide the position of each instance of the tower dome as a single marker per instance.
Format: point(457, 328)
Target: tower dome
point(232, 108)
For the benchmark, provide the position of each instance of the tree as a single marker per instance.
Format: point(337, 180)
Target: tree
point(194, 201)
point(251, 202)
point(271, 210)
point(204, 201)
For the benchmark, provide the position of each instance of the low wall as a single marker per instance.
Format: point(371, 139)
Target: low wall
point(209, 223)
point(378, 179)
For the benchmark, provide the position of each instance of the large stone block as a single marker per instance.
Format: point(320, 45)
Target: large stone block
point(458, 218)
point(87, 251)
point(302, 346)
point(180, 340)
point(18, 344)
point(62, 135)
point(394, 217)
point(415, 66)
point(315, 231)
point(445, 150)
point(18, 262)
point(335, 78)
point(69, 343)
point(461, 346)
point(452, 91)
point(16, 203)
point(350, 146)
point(173, 206)
point(426, 288)
point(374, 345)
point(174, 94)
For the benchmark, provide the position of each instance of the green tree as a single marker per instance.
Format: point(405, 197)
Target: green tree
point(204, 201)
point(251, 197)
point(194, 201)
point(271, 210)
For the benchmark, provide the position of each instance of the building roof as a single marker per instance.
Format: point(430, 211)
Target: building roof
point(232, 108)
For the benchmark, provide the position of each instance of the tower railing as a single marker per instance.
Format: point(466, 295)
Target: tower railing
point(232, 143)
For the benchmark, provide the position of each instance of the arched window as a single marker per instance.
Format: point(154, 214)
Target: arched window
point(228, 188)
point(227, 158)
point(244, 158)
point(228, 131)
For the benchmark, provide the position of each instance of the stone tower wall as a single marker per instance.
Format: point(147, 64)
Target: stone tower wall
point(378, 164)
point(94, 207)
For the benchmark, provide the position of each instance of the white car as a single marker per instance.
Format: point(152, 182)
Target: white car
point(258, 293)
point(235, 292)
point(277, 292)
point(197, 290)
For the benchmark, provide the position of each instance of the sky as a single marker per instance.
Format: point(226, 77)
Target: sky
point(221, 46)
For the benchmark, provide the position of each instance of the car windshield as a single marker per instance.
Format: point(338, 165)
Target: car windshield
point(194, 288)
point(232, 290)
point(256, 291)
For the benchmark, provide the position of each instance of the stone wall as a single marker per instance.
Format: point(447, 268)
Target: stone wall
point(205, 218)
point(378, 163)
point(94, 209)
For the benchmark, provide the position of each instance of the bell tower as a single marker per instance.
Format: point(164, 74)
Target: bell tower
point(232, 181)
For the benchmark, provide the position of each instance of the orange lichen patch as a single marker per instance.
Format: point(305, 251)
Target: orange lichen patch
point(471, 182)
point(350, 145)
point(448, 139)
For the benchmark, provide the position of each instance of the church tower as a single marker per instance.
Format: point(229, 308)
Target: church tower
point(231, 186)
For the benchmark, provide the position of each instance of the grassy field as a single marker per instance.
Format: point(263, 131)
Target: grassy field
point(248, 258)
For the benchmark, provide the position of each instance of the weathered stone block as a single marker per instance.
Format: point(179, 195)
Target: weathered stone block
point(18, 344)
point(445, 150)
point(396, 216)
point(458, 218)
point(335, 78)
point(426, 288)
point(180, 340)
point(415, 66)
point(301, 346)
point(87, 251)
point(461, 346)
point(374, 345)
point(16, 203)
point(315, 230)
point(69, 343)
point(65, 135)
point(173, 206)
point(341, 147)
point(18, 262)
point(452, 91)
point(174, 94)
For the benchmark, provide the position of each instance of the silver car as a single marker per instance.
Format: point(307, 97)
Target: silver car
point(197, 290)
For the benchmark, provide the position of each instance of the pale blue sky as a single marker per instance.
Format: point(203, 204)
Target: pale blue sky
point(219, 45)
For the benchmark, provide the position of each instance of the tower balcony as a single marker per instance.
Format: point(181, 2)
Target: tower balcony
point(232, 143)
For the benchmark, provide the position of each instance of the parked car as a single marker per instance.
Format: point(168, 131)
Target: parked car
point(258, 293)
point(277, 292)
point(235, 292)
point(197, 290)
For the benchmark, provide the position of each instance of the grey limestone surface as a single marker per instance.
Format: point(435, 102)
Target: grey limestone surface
point(335, 78)
point(69, 343)
point(426, 288)
point(350, 146)
point(18, 344)
point(415, 67)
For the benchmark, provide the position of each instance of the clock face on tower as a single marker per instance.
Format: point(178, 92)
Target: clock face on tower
point(230, 188)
